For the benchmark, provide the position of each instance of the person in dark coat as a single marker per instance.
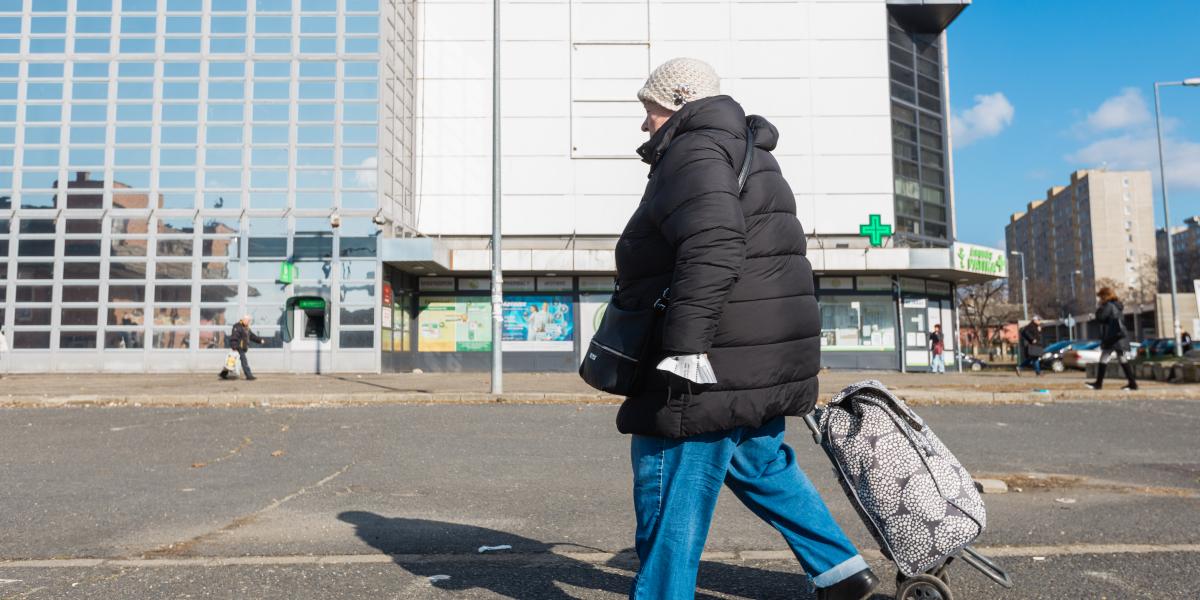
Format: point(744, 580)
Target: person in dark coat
point(741, 308)
point(239, 340)
point(1031, 346)
point(1113, 339)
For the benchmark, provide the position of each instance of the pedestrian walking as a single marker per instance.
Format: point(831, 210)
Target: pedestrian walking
point(1185, 341)
point(1113, 338)
point(1031, 346)
point(937, 347)
point(239, 341)
point(737, 346)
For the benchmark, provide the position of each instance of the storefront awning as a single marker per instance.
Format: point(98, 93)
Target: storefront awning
point(960, 264)
point(420, 256)
point(927, 16)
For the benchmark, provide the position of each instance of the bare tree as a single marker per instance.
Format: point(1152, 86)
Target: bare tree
point(985, 311)
point(1142, 292)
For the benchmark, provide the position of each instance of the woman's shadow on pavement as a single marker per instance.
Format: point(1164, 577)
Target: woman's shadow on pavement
point(530, 570)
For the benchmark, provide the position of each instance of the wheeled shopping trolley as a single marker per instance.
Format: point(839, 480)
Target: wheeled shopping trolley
point(917, 500)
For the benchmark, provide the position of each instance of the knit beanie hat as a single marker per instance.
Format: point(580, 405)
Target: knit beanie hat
point(679, 81)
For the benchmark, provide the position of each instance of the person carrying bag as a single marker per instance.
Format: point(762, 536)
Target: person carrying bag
point(713, 337)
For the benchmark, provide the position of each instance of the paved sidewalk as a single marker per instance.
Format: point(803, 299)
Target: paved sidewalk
point(189, 389)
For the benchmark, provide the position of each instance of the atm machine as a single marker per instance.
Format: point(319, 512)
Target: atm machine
point(306, 333)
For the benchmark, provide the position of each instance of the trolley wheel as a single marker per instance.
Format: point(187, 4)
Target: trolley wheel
point(923, 587)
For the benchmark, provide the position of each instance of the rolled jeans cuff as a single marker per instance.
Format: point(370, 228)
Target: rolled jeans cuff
point(837, 574)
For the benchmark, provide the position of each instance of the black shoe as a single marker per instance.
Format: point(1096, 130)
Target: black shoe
point(1131, 387)
point(1091, 386)
point(250, 378)
point(858, 586)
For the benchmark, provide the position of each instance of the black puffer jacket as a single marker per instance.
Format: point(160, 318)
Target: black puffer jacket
point(741, 287)
point(1112, 328)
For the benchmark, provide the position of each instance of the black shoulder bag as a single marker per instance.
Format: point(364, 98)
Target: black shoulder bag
point(614, 360)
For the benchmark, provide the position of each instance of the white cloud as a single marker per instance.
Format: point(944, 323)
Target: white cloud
point(987, 118)
point(1138, 151)
point(1132, 141)
point(1123, 110)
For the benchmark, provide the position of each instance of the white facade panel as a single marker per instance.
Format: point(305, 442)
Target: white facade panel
point(850, 174)
point(770, 20)
point(535, 175)
point(537, 215)
point(851, 97)
point(609, 21)
point(849, 20)
point(603, 215)
point(849, 58)
point(852, 135)
point(680, 21)
point(830, 214)
point(455, 21)
point(531, 21)
point(772, 98)
point(816, 69)
point(534, 97)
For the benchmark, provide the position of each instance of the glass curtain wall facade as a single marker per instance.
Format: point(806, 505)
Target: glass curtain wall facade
point(161, 159)
point(918, 137)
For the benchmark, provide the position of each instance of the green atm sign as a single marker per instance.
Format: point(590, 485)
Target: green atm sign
point(310, 303)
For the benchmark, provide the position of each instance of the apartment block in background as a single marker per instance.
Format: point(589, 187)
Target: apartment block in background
point(1099, 227)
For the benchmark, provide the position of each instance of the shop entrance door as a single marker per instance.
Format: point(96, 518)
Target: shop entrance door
point(914, 311)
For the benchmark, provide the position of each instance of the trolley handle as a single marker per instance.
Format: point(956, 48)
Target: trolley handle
point(990, 569)
point(814, 428)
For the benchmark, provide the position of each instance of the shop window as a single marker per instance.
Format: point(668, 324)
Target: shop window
point(859, 323)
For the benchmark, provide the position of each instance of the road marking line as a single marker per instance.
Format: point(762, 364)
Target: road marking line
point(585, 557)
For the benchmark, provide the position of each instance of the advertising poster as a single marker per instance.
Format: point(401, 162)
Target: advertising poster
point(539, 324)
point(591, 311)
point(454, 325)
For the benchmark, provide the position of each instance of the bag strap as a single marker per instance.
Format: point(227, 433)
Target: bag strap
point(743, 175)
point(745, 172)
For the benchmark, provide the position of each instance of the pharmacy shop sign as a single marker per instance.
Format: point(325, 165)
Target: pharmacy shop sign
point(979, 259)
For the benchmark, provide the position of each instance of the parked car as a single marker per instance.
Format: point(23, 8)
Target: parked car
point(1052, 356)
point(970, 362)
point(1085, 354)
point(1156, 347)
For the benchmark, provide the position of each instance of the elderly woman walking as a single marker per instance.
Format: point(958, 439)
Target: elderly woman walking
point(737, 347)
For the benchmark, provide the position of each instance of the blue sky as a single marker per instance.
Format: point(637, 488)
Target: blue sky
point(1040, 88)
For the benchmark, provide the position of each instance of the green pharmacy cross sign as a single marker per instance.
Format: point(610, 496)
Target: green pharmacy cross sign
point(875, 229)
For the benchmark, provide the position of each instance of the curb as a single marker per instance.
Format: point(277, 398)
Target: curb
point(913, 397)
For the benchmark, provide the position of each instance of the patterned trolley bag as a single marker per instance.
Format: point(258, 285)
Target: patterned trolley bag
point(913, 494)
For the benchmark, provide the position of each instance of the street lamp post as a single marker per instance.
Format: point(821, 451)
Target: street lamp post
point(1024, 284)
point(497, 255)
point(1162, 170)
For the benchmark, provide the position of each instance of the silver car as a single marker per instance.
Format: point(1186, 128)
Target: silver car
point(1084, 354)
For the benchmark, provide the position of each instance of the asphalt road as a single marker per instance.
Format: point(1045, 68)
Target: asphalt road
point(370, 502)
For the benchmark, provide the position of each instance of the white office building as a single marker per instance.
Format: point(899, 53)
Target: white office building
point(168, 165)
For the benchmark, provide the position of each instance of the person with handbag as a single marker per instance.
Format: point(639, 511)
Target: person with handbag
point(1031, 346)
point(239, 341)
point(937, 349)
point(720, 340)
point(1113, 339)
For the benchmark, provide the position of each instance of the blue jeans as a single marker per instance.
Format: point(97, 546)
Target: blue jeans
point(675, 488)
point(939, 363)
point(1036, 361)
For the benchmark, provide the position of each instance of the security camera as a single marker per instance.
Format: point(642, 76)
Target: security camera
point(335, 220)
point(379, 220)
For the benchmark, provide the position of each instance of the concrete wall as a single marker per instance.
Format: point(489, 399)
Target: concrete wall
point(817, 69)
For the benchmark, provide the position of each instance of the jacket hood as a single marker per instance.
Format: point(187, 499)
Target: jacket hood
point(720, 113)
